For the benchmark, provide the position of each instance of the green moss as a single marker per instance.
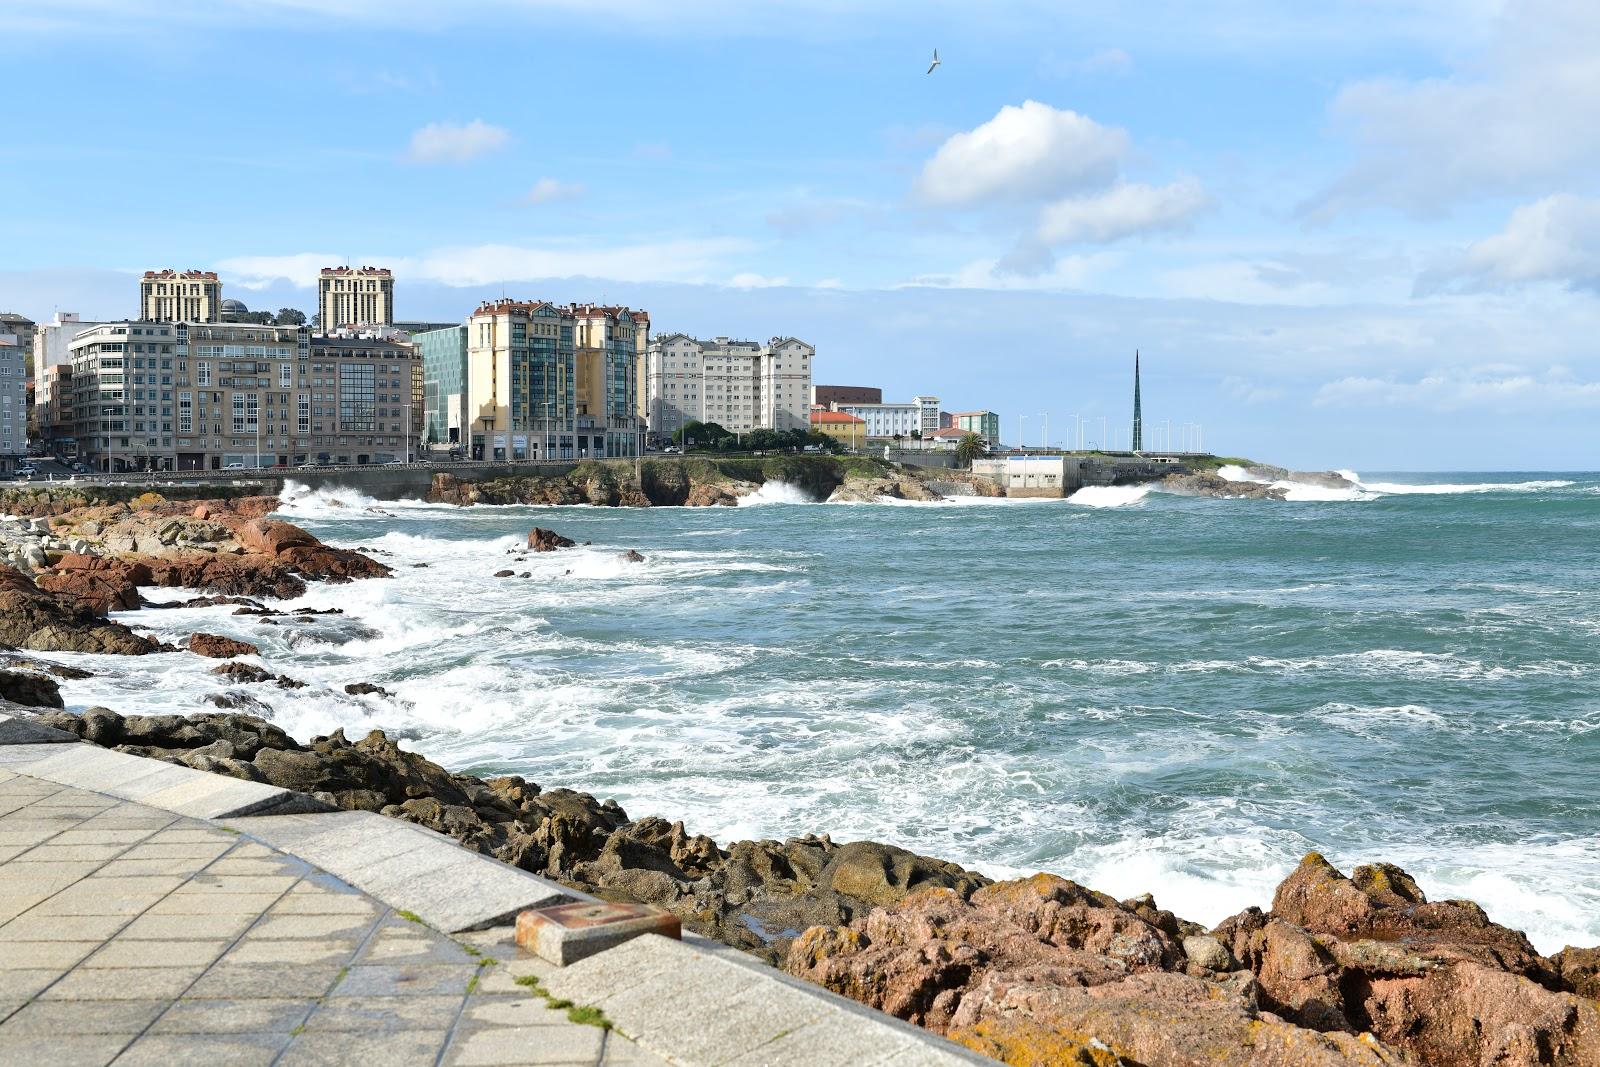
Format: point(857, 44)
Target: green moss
point(472, 985)
point(577, 1013)
point(410, 916)
point(589, 1017)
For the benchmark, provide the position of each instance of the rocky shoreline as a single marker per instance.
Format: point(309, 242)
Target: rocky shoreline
point(698, 482)
point(1361, 969)
point(1340, 970)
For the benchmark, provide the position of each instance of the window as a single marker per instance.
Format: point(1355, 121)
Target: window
point(356, 395)
point(202, 373)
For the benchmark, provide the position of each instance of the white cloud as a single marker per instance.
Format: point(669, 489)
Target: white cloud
point(751, 280)
point(1515, 118)
point(662, 261)
point(1124, 210)
point(444, 142)
point(1493, 388)
point(259, 272)
point(1032, 152)
point(1556, 239)
point(549, 190)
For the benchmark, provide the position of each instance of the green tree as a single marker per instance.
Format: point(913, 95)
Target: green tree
point(291, 317)
point(969, 448)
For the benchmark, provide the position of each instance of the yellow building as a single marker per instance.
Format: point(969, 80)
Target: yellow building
point(847, 429)
point(355, 296)
point(180, 296)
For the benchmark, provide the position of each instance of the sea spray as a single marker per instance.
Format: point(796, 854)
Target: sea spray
point(1205, 688)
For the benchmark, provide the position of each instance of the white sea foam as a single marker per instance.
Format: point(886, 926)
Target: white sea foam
point(1109, 496)
point(776, 492)
point(1445, 488)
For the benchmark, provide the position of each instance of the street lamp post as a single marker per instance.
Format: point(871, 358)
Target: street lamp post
point(1022, 437)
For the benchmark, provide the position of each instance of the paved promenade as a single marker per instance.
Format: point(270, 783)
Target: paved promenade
point(131, 935)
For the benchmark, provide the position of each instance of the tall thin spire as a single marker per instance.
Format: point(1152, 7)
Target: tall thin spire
point(1138, 415)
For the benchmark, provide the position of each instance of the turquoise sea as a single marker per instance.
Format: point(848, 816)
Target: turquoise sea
point(1140, 691)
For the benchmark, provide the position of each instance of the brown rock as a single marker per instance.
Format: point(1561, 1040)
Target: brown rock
point(100, 584)
point(505, 574)
point(38, 620)
point(542, 540)
point(30, 689)
point(1580, 969)
point(631, 556)
point(214, 646)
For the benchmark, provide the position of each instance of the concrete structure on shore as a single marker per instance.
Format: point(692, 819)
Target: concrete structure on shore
point(354, 296)
point(212, 396)
point(180, 296)
point(549, 382)
point(1059, 474)
point(739, 385)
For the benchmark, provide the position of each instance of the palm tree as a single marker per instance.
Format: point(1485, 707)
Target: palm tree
point(970, 448)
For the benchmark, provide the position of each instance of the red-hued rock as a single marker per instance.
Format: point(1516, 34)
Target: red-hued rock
point(42, 621)
point(542, 540)
point(214, 646)
point(270, 537)
point(98, 583)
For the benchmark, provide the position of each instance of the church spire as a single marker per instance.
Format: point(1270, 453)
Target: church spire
point(1138, 415)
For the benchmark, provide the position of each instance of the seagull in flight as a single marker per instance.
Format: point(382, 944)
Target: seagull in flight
point(935, 64)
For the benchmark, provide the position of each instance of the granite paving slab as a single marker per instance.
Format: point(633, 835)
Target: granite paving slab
point(239, 954)
point(408, 867)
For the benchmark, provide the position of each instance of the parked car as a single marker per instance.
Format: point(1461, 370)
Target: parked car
point(234, 466)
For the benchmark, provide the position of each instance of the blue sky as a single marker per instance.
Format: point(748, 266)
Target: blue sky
point(1367, 235)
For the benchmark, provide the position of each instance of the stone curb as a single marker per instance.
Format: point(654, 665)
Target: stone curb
point(408, 867)
point(696, 1004)
point(158, 784)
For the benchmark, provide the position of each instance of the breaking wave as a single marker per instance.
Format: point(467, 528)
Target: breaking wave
point(1109, 496)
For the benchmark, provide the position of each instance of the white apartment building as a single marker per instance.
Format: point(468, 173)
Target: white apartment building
point(920, 417)
point(739, 385)
point(13, 401)
point(52, 342)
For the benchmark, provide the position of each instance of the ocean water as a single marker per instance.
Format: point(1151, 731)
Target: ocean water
point(1139, 691)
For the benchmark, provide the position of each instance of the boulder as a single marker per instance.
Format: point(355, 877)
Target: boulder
point(215, 646)
point(30, 689)
point(41, 621)
point(631, 556)
point(361, 689)
point(542, 540)
point(98, 583)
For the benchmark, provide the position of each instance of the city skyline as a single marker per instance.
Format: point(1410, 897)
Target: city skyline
point(1367, 265)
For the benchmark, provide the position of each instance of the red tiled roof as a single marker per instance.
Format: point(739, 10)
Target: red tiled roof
point(837, 417)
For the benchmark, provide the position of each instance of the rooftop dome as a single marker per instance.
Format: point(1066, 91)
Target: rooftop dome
point(235, 307)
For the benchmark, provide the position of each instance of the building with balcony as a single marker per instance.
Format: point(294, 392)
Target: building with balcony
point(531, 396)
point(354, 296)
point(52, 406)
point(122, 388)
point(739, 385)
point(214, 396)
point(13, 401)
point(180, 296)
